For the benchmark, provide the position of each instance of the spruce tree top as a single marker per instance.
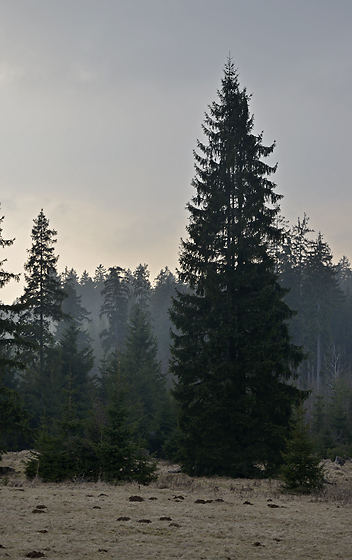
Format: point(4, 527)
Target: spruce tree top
point(232, 186)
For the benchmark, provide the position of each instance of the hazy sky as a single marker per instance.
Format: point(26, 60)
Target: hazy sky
point(101, 104)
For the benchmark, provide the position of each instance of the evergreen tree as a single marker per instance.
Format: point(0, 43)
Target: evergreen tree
point(11, 332)
point(232, 356)
point(73, 308)
point(301, 471)
point(90, 292)
point(100, 276)
point(144, 381)
point(114, 308)
point(163, 291)
point(61, 449)
point(119, 454)
point(344, 276)
point(13, 417)
point(76, 364)
point(321, 294)
point(292, 269)
point(43, 294)
point(140, 286)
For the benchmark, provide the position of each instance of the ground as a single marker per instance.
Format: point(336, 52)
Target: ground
point(174, 517)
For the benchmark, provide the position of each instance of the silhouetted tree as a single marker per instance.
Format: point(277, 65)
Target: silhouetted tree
point(43, 294)
point(232, 357)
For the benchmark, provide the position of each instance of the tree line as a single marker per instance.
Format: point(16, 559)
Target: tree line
point(205, 367)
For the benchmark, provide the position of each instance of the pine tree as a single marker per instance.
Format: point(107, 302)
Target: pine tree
point(232, 357)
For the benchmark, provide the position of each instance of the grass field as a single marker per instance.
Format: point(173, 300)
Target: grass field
point(174, 517)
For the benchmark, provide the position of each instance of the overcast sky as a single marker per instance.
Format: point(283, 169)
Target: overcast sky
point(101, 104)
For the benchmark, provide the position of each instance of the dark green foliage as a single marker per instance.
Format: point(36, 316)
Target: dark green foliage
point(76, 364)
point(58, 456)
point(11, 332)
point(301, 471)
point(14, 419)
point(140, 287)
point(145, 384)
point(73, 308)
point(119, 456)
point(160, 302)
point(335, 437)
point(114, 308)
point(320, 295)
point(320, 426)
point(231, 355)
point(43, 294)
point(101, 448)
point(323, 320)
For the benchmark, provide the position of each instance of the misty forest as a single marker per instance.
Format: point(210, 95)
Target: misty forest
point(217, 367)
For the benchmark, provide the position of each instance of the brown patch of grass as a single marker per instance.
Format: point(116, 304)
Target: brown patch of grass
point(85, 520)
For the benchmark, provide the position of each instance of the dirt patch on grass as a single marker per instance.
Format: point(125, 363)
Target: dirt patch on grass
point(175, 517)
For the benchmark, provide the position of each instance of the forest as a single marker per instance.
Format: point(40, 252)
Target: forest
point(102, 373)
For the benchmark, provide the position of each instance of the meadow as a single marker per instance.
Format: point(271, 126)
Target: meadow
point(175, 517)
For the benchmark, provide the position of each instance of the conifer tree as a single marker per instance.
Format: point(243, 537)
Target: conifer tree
point(140, 286)
point(114, 308)
point(73, 309)
point(11, 332)
point(42, 299)
point(160, 302)
point(13, 417)
point(232, 356)
point(43, 294)
point(301, 471)
point(144, 382)
point(76, 363)
point(321, 293)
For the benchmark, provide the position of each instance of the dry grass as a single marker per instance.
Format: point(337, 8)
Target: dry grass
point(179, 517)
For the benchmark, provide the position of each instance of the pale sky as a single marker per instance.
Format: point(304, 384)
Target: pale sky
point(102, 101)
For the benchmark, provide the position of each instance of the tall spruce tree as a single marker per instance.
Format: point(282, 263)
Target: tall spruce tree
point(232, 355)
point(42, 298)
point(43, 294)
